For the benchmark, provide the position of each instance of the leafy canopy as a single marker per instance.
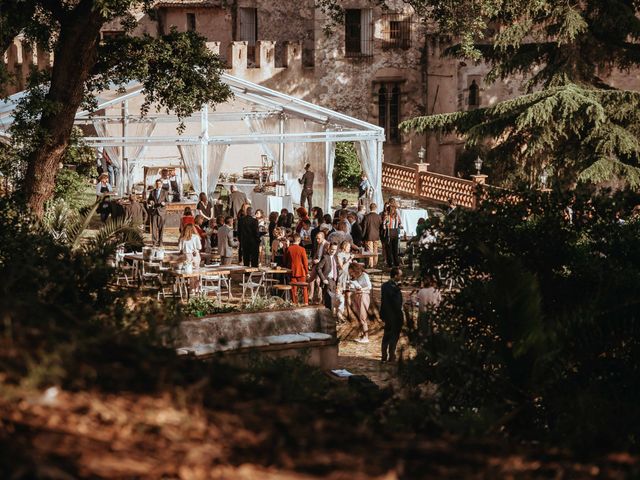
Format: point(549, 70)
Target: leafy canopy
point(576, 125)
point(177, 71)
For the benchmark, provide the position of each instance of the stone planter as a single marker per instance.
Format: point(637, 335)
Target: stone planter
point(237, 336)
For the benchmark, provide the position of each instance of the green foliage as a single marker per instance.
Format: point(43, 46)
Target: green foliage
point(178, 71)
point(199, 306)
point(347, 168)
point(69, 187)
point(577, 126)
point(583, 134)
point(80, 155)
point(68, 227)
point(62, 324)
point(546, 325)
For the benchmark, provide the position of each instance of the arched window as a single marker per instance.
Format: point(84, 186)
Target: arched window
point(474, 95)
point(389, 110)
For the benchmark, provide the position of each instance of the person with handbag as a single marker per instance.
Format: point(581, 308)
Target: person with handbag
point(360, 287)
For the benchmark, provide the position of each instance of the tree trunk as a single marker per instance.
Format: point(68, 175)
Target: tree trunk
point(75, 56)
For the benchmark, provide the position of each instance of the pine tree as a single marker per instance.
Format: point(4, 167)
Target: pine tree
point(570, 122)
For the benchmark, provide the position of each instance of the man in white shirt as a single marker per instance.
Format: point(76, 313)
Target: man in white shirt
point(429, 299)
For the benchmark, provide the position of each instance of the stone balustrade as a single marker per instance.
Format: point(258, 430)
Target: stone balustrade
point(429, 186)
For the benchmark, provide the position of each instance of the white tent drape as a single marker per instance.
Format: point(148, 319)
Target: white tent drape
point(106, 129)
point(330, 159)
point(266, 125)
point(217, 154)
point(371, 160)
point(297, 155)
point(140, 128)
point(193, 165)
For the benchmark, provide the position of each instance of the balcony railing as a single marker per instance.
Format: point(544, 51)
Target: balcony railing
point(428, 185)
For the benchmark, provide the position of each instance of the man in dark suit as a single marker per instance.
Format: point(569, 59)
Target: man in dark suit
point(307, 186)
point(328, 272)
point(236, 200)
point(356, 230)
point(391, 314)
point(157, 202)
point(249, 238)
point(371, 233)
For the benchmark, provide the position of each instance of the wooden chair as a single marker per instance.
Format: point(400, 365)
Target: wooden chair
point(253, 282)
point(284, 290)
point(214, 284)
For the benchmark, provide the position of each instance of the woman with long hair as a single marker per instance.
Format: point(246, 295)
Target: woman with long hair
point(302, 216)
point(279, 246)
point(190, 245)
point(344, 257)
point(391, 226)
point(187, 218)
point(316, 216)
point(360, 287)
point(273, 223)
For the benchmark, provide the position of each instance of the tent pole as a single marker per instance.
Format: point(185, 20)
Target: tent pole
point(281, 153)
point(204, 148)
point(124, 170)
point(328, 189)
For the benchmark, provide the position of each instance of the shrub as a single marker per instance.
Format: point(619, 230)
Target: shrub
point(347, 168)
point(199, 306)
point(546, 325)
point(62, 324)
point(69, 187)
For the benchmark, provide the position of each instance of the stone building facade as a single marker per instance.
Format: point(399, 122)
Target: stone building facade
point(381, 65)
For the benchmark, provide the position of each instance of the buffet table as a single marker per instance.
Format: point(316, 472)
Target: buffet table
point(270, 203)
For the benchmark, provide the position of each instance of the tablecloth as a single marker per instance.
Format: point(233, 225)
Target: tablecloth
point(271, 203)
point(410, 217)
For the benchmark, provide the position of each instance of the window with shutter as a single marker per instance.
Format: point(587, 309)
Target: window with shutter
point(389, 110)
point(358, 32)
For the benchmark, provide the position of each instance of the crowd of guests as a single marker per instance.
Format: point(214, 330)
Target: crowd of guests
point(317, 247)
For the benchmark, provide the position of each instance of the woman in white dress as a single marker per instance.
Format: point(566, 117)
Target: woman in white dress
point(360, 287)
point(344, 257)
point(190, 245)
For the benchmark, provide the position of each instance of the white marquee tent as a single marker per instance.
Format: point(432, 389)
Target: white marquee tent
point(255, 121)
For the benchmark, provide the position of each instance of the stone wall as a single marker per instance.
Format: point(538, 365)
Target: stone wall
point(349, 85)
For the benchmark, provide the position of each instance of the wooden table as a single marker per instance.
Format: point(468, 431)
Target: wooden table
point(270, 272)
point(364, 255)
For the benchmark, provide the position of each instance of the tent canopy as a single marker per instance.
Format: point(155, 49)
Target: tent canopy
point(255, 121)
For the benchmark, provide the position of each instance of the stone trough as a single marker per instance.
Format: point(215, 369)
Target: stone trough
point(309, 332)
